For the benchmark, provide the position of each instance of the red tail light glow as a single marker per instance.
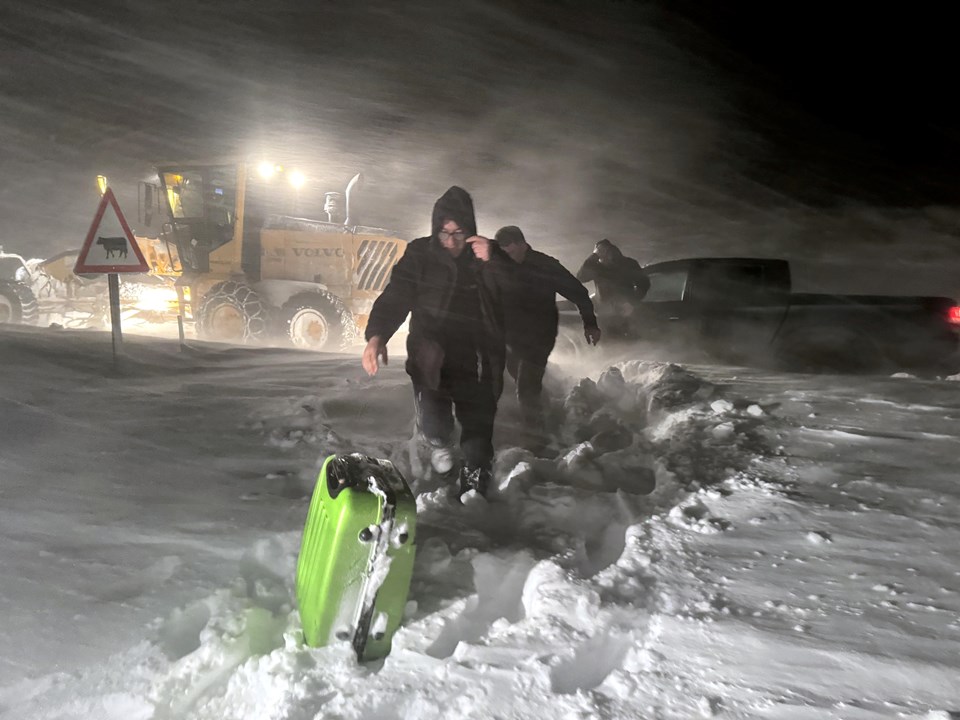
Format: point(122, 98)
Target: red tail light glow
point(953, 315)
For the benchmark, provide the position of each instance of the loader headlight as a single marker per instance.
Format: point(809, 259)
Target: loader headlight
point(296, 178)
point(266, 170)
point(157, 299)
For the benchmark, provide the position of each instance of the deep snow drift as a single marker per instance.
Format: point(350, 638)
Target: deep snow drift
point(707, 542)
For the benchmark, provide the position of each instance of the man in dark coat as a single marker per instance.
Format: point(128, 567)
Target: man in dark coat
point(530, 314)
point(620, 281)
point(449, 285)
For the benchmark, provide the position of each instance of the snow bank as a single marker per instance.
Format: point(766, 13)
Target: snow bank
point(542, 597)
point(684, 550)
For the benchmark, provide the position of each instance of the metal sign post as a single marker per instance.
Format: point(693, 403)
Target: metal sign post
point(183, 344)
point(113, 282)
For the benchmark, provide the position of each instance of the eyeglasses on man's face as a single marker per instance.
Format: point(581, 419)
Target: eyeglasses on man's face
point(458, 235)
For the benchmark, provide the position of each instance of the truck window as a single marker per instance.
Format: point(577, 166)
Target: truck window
point(726, 284)
point(666, 286)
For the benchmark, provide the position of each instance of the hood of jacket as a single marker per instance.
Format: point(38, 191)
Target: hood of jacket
point(615, 253)
point(457, 205)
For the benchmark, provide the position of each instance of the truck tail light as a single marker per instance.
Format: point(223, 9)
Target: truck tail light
point(953, 315)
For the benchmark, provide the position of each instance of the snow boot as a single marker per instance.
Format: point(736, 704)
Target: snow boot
point(474, 479)
point(442, 459)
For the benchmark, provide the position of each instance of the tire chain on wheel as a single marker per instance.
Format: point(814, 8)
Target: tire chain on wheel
point(241, 296)
point(346, 330)
point(26, 311)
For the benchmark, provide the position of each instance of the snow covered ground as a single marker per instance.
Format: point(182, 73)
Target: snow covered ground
point(709, 542)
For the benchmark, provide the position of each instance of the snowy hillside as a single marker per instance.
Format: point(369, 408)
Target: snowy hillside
point(707, 543)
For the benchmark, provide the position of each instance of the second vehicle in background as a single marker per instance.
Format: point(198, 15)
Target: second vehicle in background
point(742, 311)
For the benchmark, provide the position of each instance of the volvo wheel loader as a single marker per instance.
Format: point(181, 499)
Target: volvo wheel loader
point(249, 273)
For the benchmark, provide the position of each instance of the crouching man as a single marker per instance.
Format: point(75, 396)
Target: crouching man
point(449, 285)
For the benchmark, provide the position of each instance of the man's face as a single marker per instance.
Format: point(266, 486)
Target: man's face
point(604, 253)
point(517, 250)
point(452, 238)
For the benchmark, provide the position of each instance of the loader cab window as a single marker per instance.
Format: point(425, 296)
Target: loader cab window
point(203, 207)
point(220, 196)
point(185, 194)
point(202, 195)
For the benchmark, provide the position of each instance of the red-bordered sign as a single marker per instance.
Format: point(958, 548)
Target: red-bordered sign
point(110, 247)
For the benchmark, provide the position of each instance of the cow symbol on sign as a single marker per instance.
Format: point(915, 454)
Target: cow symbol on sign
point(113, 245)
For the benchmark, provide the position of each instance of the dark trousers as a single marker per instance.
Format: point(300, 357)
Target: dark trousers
point(527, 365)
point(475, 405)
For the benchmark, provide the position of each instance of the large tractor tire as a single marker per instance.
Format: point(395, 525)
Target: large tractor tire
point(232, 312)
point(18, 304)
point(315, 320)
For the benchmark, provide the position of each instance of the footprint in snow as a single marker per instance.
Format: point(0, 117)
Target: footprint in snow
point(499, 582)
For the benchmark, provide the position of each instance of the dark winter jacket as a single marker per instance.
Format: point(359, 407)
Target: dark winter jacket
point(621, 279)
point(530, 307)
point(422, 285)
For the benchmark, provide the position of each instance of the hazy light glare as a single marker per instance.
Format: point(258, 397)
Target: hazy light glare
point(157, 299)
point(296, 178)
point(266, 170)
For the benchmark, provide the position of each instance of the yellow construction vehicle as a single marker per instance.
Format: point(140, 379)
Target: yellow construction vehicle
point(249, 273)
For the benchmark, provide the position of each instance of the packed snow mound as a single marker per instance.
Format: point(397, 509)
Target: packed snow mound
point(545, 596)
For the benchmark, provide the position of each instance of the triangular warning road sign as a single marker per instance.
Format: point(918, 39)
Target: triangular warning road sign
point(110, 247)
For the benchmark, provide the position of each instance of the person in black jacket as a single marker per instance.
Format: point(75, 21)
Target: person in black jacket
point(620, 281)
point(449, 286)
point(531, 318)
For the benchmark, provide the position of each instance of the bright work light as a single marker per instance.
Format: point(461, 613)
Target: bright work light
point(266, 170)
point(297, 178)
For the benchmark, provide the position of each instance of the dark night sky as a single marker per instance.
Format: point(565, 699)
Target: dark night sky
point(865, 92)
point(673, 127)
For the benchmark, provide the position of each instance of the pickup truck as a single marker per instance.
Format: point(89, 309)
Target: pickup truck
point(742, 311)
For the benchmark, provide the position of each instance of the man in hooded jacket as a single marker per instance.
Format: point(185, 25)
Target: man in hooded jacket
point(450, 286)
